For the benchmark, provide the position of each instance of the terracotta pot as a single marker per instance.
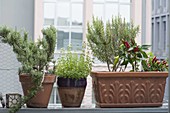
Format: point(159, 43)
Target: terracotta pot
point(71, 91)
point(129, 89)
point(41, 99)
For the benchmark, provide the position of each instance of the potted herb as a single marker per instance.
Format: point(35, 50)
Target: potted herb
point(35, 75)
point(115, 44)
point(72, 70)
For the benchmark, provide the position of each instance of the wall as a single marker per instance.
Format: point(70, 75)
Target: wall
point(136, 14)
point(16, 14)
point(38, 19)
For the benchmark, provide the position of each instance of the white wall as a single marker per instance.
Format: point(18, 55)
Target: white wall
point(18, 14)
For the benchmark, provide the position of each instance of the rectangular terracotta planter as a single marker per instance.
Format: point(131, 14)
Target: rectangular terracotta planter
point(129, 89)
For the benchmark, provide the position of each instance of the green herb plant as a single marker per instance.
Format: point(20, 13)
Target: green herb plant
point(105, 41)
point(72, 65)
point(34, 57)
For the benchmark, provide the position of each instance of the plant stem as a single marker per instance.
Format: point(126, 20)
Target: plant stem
point(108, 66)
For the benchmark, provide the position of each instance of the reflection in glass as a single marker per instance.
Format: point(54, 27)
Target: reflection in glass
point(111, 10)
point(62, 38)
point(76, 39)
point(49, 10)
point(98, 10)
point(48, 22)
point(125, 12)
point(77, 14)
point(63, 14)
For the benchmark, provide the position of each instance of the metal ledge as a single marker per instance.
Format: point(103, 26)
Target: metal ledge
point(163, 109)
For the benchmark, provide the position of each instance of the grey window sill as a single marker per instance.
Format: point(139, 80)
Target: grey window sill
point(163, 109)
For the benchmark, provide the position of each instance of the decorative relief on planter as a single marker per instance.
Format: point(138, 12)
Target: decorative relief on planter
point(134, 90)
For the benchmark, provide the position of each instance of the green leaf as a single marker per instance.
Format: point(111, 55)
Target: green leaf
point(116, 59)
point(125, 62)
point(144, 54)
point(130, 49)
point(144, 65)
point(139, 55)
point(145, 47)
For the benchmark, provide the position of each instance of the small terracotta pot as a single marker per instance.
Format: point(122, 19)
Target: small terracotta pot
point(71, 91)
point(41, 99)
point(129, 89)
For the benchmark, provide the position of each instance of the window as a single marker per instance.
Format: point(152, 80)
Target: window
point(49, 17)
point(67, 17)
point(159, 32)
point(105, 9)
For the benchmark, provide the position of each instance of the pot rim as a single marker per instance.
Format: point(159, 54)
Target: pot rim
point(128, 74)
point(48, 78)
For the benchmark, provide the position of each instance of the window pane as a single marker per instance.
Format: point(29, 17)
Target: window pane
point(62, 38)
point(111, 10)
point(49, 10)
point(77, 14)
point(76, 39)
point(63, 14)
point(125, 12)
point(48, 22)
point(158, 4)
point(152, 5)
point(164, 35)
point(153, 44)
point(98, 10)
point(125, 1)
point(164, 3)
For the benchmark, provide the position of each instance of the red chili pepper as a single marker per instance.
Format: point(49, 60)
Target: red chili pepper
point(126, 44)
point(154, 59)
point(158, 62)
point(136, 49)
point(164, 62)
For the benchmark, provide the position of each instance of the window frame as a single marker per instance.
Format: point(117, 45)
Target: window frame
point(70, 26)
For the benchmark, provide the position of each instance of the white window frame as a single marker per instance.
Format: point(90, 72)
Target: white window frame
point(70, 26)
